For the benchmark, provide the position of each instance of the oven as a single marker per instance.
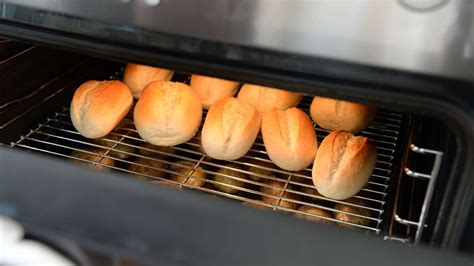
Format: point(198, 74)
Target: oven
point(100, 209)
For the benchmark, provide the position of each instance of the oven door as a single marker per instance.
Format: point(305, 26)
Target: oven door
point(160, 226)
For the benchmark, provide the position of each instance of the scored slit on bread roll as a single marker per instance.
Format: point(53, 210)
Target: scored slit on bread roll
point(230, 129)
point(289, 138)
point(212, 89)
point(167, 113)
point(137, 77)
point(98, 106)
point(267, 98)
point(343, 165)
point(333, 114)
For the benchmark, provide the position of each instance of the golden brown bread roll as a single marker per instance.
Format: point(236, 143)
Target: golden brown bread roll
point(275, 189)
point(313, 210)
point(93, 158)
point(343, 165)
point(185, 168)
point(267, 98)
point(354, 210)
point(212, 89)
point(137, 77)
point(142, 166)
point(230, 129)
point(335, 114)
point(167, 113)
point(121, 151)
point(289, 138)
point(225, 180)
point(98, 106)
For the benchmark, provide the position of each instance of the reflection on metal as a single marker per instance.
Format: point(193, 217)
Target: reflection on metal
point(377, 33)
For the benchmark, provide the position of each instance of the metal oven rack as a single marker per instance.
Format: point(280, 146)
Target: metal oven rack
point(245, 179)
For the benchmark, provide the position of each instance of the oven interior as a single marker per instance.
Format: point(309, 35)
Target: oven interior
point(400, 201)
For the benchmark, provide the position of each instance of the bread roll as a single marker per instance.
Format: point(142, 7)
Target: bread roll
point(212, 89)
point(137, 77)
point(230, 129)
point(347, 217)
point(343, 165)
point(185, 168)
point(142, 166)
point(312, 210)
point(289, 138)
point(98, 106)
point(275, 189)
point(332, 114)
point(93, 157)
point(168, 113)
point(120, 151)
point(266, 98)
point(226, 180)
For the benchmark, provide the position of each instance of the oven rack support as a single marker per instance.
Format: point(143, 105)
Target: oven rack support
point(431, 179)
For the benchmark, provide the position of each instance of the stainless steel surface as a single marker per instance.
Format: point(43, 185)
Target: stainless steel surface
point(431, 36)
point(57, 136)
point(431, 178)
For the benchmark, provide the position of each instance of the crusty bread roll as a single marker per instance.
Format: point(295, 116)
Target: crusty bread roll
point(230, 129)
point(335, 114)
point(212, 89)
point(93, 157)
point(168, 113)
point(137, 77)
point(273, 190)
point(343, 165)
point(266, 98)
point(313, 210)
point(98, 106)
point(188, 169)
point(289, 138)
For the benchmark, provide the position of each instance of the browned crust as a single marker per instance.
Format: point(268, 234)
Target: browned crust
point(343, 165)
point(98, 106)
point(334, 114)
